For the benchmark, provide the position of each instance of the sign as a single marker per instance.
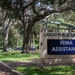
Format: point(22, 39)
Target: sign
point(60, 34)
point(60, 46)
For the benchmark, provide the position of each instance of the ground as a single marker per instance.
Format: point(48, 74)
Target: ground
point(6, 70)
point(15, 59)
point(60, 69)
point(13, 65)
point(18, 61)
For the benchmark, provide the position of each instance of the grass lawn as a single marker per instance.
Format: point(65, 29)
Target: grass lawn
point(53, 70)
point(17, 56)
point(33, 70)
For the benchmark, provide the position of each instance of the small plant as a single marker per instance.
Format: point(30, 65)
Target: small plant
point(16, 56)
point(49, 70)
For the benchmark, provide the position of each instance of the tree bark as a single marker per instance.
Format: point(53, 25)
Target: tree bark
point(26, 37)
point(6, 28)
point(6, 32)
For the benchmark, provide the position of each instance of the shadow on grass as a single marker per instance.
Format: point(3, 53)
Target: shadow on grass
point(32, 69)
point(6, 61)
point(51, 70)
point(17, 55)
point(35, 71)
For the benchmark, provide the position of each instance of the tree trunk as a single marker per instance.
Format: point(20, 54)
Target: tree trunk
point(6, 32)
point(30, 40)
point(26, 37)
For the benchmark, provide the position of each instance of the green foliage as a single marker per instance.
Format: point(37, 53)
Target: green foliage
point(16, 56)
point(51, 1)
point(11, 37)
point(16, 33)
point(1, 36)
point(53, 70)
point(19, 28)
point(37, 43)
point(60, 2)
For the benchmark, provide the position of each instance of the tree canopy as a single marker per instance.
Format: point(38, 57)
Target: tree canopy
point(31, 11)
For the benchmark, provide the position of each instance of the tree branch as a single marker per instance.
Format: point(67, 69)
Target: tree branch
point(48, 12)
point(34, 9)
point(70, 5)
point(31, 3)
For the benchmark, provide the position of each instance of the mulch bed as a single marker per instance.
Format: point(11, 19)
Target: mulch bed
point(5, 73)
point(6, 70)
